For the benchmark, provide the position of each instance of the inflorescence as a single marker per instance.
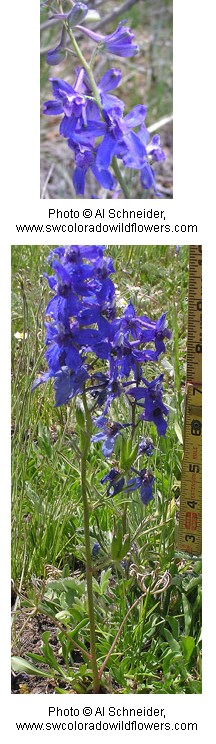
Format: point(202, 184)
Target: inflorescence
point(89, 348)
point(93, 120)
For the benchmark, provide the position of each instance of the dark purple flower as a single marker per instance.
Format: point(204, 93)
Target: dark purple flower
point(144, 329)
point(139, 327)
point(115, 481)
point(125, 355)
point(96, 549)
point(120, 42)
point(105, 390)
point(154, 408)
point(146, 447)
point(144, 481)
point(74, 254)
point(111, 476)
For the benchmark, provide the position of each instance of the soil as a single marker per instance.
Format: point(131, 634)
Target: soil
point(29, 640)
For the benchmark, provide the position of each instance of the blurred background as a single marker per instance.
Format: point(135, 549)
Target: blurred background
point(147, 79)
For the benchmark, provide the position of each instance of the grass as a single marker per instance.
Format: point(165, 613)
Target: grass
point(47, 522)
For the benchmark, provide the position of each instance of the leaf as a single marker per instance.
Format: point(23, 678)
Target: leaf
point(124, 454)
point(187, 613)
point(178, 432)
point(64, 616)
point(96, 587)
point(116, 545)
point(174, 645)
point(49, 655)
point(44, 440)
point(188, 644)
point(188, 586)
point(174, 626)
point(64, 584)
point(25, 667)
point(167, 366)
point(80, 625)
point(167, 660)
point(104, 580)
point(125, 547)
point(132, 457)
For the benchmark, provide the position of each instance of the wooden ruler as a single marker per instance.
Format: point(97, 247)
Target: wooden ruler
point(190, 518)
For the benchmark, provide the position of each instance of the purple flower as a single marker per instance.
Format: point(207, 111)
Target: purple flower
point(154, 408)
point(120, 42)
point(106, 390)
point(81, 125)
point(155, 331)
point(144, 329)
point(85, 156)
point(81, 320)
point(125, 355)
point(119, 140)
point(74, 16)
point(67, 100)
point(153, 147)
point(55, 56)
point(67, 383)
point(96, 549)
point(144, 481)
point(146, 447)
point(108, 434)
point(115, 481)
point(109, 81)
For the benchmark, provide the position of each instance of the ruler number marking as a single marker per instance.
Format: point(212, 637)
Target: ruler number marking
point(190, 522)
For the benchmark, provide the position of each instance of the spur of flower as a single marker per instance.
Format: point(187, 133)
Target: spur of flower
point(120, 42)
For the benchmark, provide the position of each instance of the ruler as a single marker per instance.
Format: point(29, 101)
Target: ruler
point(190, 518)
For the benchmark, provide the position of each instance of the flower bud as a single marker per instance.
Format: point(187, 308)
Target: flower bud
point(55, 56)
point(77, 14)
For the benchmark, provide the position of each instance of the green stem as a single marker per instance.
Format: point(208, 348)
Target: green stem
point(86, 66)
point(88, 69)
point(118, 634)
point(143, 620)
point(85, 449)
point(120, 178)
